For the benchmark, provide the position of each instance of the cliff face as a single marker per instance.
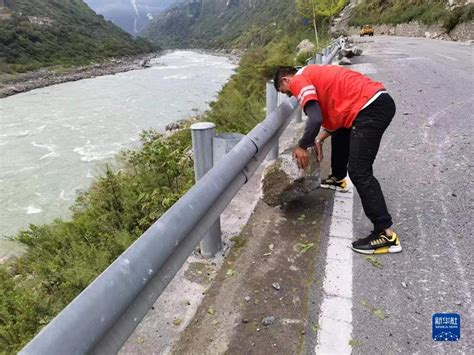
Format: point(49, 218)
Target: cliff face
point(131, 15)
point(217, 23)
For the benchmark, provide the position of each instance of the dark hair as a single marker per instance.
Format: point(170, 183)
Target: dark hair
point(282, 72)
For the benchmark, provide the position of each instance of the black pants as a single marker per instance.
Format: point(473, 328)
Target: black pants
point(354, 151)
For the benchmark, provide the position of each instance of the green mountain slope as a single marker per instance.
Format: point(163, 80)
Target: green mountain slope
point(223, 23)
point(37, 33)
point(448, 13)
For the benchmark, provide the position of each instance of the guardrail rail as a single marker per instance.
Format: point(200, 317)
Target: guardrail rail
point(103, 316)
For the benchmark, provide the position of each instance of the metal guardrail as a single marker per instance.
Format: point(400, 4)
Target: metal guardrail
point(328, 53)
point(104, 315)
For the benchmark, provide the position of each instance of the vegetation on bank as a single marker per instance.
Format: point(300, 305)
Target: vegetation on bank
point(63, 257)
point(39, 33)
point(403, 11)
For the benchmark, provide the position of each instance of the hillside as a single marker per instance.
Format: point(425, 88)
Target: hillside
point(223, 23)
point(447, 12)
point(38, 33)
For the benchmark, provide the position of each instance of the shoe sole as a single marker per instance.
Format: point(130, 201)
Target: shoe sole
point(384, 250)
point(332, 187)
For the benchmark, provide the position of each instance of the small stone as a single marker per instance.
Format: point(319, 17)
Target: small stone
point(245, 320)
point(268, 321)
point(247, 298)
point(458, 303)
point(258, 329)
point(276, 286)
point(404, 284)
point(345, 61)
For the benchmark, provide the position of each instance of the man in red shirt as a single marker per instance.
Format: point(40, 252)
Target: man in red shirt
point(355, 111)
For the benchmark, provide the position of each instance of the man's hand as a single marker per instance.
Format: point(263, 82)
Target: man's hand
point(319, 150)
point(302, 157)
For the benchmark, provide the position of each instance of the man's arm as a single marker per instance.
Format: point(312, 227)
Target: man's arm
point(313, 124)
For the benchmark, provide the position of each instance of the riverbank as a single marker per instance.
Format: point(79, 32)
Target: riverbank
point(59, 139)
point(11, 84)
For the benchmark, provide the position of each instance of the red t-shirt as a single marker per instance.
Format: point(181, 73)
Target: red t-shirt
point(341, 92)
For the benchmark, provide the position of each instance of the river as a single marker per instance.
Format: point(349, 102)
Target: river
point(56, 140)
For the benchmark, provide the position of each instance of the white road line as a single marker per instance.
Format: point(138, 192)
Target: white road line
point(445, 56)
point(335, 319)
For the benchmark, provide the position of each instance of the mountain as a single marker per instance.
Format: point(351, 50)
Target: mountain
point(222, 23)
point(38, 33)
point(131, 15)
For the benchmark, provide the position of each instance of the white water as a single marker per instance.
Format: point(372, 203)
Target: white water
point(56, 140)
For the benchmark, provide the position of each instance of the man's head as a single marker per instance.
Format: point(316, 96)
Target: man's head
point(282, 78)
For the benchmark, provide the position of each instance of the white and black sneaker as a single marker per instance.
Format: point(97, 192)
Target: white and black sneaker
point(332, 183)
point(378, 243)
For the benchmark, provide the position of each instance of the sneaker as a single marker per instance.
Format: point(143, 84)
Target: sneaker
point(332, 183)
point(378, 243)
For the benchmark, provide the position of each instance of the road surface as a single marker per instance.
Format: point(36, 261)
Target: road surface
point(292, 265)
point(425, 169)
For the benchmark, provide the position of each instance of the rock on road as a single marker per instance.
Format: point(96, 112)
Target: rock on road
point(425, 168)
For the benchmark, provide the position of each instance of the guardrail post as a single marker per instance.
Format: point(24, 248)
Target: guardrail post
point(299, 116)
point(272, 103)
point(319, 58)
point(223, 143)
point(202, 135)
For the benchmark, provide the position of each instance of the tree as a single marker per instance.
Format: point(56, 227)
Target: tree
point(313, 8)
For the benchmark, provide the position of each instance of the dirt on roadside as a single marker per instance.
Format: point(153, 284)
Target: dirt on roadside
point(266, 276)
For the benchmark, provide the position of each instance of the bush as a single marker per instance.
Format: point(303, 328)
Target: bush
point(459, 15)
point(65, 256)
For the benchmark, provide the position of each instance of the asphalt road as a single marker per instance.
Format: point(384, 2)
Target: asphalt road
point(425, 168)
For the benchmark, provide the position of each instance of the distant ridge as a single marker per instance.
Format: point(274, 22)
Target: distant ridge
point(131, 15)
point(221, 23)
